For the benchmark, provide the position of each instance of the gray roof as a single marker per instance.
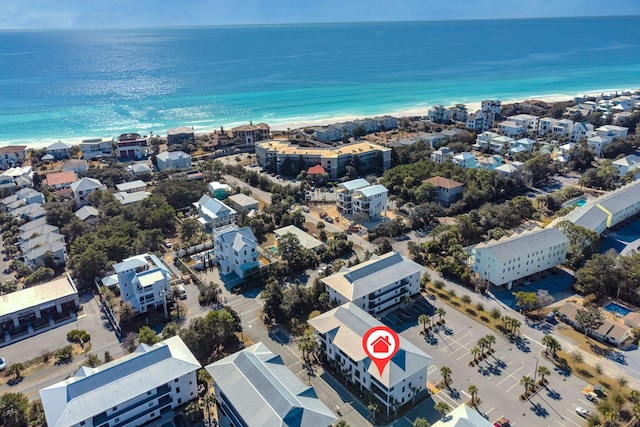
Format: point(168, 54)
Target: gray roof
point(92, 391)
point(243, 200)
point(346, 326)
point(522, 244)
point(86, 212)
point(306, 240)
point(139, 168)
point(372, 275)
point(59, 146)
point(463, 416)
point(354, 184)
point(86, 184)
point(239, 237)
point(373, 190)
point(212, 207)
point(39, 251)
point(43, 228)
point(33, 211)
point(41, 240)
point(264, 392)
point(129, 198)
point(173, 155)
point(594, 213)
point(132, 185)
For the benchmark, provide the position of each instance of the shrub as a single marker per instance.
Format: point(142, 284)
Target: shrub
point(480, 306)
point(64, 354)
point(78, 335)
point(439, 284)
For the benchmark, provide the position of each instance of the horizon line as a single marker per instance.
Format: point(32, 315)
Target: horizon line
point(282, 24)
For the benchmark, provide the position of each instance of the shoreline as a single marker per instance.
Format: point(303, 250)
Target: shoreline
point(287, 123)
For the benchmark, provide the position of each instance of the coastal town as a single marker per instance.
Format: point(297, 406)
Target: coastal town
point(228, 278)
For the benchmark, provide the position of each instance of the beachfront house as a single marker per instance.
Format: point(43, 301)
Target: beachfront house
point(131, 146)
point(250, 134)
point(96, 148)
point(59, 150)
point(12, 155)
point(439, 114)
point(180, 135)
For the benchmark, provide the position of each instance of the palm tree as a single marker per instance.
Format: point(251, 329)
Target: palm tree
point(482, 342)
point(490, 339)
point(442, 407)
point(552, 344)
point(342, 423)
point(473, 391)
point(445, 371)
point(421, 422)
point(634, 396)
point(175, 296)
point(475, 351)
point(599, 370)
point(527, 382)
point(127, 312)
point(496, 314)
point(441, 313)
point(543, 371)
point(466, 299)
point(424, 319)
point(635, 411)
point(515, 325)
point(546, 340)
point(16, 370)
point(414, 394)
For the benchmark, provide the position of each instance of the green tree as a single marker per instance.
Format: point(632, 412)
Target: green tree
point(445, 371)
point(92, 361)
point(342, 423)
point(13, 409)
point(540, 168)
point(583, 243)
point(490, 339)
point(473, 391)
point(589, 318)
point(16, 370)
point(576, 356)
point(424, 319)
point(466, 299)
point(190, 228)
point(440, 312)
point(527, 382)
point(35, 414)
point(148, 336)
point(442, 408)
point(170, 330)
point(527, 301)
point(127, 313)
point(272, 298)
point(543, 371)
point(421, 422)
point(373, 408)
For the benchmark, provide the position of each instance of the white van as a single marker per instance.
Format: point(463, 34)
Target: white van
point(181, 290)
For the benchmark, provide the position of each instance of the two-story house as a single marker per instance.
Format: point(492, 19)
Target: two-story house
point(213, 213)
point(83, 188)
point(447, 190)
point(173, 160)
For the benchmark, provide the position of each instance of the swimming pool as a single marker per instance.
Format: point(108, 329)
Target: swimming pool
point(617, 309)
point(581, 203)
point(273, 250)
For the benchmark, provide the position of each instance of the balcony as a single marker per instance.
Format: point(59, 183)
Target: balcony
point(375, 295)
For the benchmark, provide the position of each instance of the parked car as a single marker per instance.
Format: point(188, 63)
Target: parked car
point(3, 364)
point(167, 244)
point(591, 396)
point(582, 412)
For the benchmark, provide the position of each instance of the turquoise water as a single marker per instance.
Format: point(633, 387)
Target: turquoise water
point(273, 250)
point(581, 203)
point(74, 84)
point(618, 309)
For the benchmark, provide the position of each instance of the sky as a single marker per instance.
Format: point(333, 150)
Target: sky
point(78, 14)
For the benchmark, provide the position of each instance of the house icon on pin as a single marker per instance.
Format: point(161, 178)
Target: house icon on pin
point(381, 345)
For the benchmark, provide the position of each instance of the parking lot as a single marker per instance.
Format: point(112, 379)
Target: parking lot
point(497, 377)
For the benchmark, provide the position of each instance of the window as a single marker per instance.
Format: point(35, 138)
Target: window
point(82, 423)
point(150, 404)
point(177, 389)
point(175, 381)
point(180, 400)
point(115, 408)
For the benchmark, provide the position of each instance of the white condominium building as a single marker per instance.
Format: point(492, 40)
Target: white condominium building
point(341, 331)
point(377, 284)
point(127, 392)
point(511, 259)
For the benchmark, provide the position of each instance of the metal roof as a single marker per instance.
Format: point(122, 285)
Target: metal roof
point(94, 390)
point(524, 243)
point(263, 391)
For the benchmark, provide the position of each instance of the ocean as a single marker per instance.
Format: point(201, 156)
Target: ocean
point(68, 85)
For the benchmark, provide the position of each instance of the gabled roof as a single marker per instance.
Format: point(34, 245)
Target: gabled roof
point(372, 275)
point(173, 155)
point(348, 323)
point(13, 149)
point(316, 170)
point(180, 130)
point(126, 186)
point(87, 212)
point(237, 237)
point(264, 392)
point(92, 391)
point(242, 200)
point(86, 184)
point(523, 243)
point(59, 146)
point(372, 190)
point(213, 208)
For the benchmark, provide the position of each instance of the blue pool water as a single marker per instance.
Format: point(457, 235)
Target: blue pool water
point(273, 250)
point(581, 203)
point(618, 309)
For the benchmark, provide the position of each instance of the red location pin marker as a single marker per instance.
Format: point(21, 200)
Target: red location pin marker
point(381, 344)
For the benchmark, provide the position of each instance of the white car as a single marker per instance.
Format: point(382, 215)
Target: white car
point(3, 364)
point(582, 412)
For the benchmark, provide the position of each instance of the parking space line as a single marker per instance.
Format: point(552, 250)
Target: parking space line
point(510, 375)
point(487, 413)
point(515, 384)
point(569, 419)
point(451, 401)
